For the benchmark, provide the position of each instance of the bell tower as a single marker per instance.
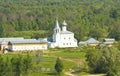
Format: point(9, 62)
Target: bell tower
point(57, 30)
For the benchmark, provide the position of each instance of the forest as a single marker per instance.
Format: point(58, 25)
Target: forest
point(36, 18)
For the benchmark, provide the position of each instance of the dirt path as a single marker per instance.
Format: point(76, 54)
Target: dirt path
point(69, 74)
point(95, 75)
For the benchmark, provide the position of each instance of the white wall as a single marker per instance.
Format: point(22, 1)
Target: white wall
point(67, 40)
point(69, 44)
point(56, 37)
point(27, 47)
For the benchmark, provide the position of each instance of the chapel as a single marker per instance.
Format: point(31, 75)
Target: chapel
point(62, 38)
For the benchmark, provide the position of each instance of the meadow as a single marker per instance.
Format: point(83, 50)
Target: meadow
point(43, 62)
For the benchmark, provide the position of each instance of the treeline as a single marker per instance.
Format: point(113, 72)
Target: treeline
point(15, 66)
point(96, 18)
point(104, 60)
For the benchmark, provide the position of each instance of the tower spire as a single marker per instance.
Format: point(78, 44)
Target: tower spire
point(57, 23)
point(57, 28)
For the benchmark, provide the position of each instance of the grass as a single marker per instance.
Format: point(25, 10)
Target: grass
point(72, 55)
point(48, 60)
point(68, 65)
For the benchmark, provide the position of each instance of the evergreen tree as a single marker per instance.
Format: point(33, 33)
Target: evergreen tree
point(58, 66)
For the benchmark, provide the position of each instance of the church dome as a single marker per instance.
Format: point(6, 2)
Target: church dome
point(64, 23)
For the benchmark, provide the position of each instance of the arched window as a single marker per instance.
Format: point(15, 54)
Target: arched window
point(69, 38)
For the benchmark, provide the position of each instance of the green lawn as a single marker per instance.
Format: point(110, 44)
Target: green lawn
point(73, 53)
point(47, 60)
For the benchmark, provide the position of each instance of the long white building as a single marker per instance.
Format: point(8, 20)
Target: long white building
point(21, 44)
point(62, 38)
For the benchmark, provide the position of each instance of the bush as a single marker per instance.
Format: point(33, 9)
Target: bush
point(110, 73)
point(104, 60)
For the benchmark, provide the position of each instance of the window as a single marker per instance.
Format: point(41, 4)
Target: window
point(15, 48)
point(63, 43)
point(69, 38)
point(70, 43)
point(43, 47)
point(64, 38)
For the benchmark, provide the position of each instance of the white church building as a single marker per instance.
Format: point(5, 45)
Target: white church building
point(62, 38)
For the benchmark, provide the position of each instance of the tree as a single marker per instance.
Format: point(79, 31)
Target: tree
point(1, 29)
point(96, 32)
point(17, 65)
point(115, 32)
point(2, 65)
point(27, 64)
point(58, 66)
point(93, 57)
point(117, 45)
point(113, 13)
point(105, 60)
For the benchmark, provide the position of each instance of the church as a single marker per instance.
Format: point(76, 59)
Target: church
point(62, 38)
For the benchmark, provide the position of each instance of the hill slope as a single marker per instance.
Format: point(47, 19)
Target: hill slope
point(83, 17)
